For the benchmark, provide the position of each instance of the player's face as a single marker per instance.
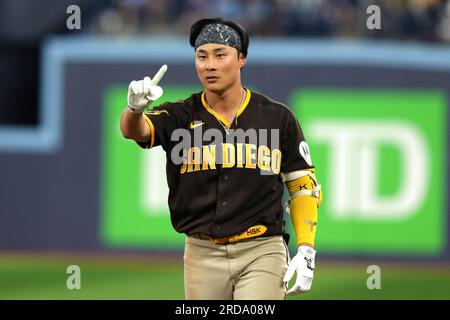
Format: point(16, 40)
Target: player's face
point(218, 66)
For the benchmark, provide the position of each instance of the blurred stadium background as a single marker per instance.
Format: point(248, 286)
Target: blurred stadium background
point(373, 105)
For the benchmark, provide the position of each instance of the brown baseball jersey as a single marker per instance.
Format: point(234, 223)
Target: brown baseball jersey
point(221, 188)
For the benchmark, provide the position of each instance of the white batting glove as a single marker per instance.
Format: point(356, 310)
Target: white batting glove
point(303, 263)
point(143, 92)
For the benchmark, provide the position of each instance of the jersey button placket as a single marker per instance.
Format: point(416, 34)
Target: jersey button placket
point(222, 196)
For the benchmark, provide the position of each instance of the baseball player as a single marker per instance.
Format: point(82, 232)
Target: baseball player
point(230, 151)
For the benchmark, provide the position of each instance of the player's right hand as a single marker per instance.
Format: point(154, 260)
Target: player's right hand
point(143, 92)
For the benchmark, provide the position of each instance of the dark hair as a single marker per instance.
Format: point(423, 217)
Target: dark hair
point(197, 27)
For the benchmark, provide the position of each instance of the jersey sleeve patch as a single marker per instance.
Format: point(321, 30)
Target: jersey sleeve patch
point(304, 152)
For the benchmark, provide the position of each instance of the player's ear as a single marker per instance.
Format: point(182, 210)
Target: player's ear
point(242, 59)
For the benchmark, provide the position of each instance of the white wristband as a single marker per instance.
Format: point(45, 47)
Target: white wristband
point(136, 110)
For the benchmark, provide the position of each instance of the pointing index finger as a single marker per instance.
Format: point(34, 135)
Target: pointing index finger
point(158, 76)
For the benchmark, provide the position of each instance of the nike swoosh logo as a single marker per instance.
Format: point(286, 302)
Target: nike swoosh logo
point(193, 126)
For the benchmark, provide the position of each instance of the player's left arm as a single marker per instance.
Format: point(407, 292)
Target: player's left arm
point(306, 196)
point(299, 175)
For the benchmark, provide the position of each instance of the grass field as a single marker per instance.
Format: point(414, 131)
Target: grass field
point(44, 277)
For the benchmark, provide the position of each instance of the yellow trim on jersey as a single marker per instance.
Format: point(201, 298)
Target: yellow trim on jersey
point(220, 117)
point(245, 104)
point(215, 114)
point(152, 130)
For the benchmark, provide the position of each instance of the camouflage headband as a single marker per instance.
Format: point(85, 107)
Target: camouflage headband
point(219, 33)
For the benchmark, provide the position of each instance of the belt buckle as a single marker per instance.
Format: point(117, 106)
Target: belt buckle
point(213, 240)
point(220, 240)
point(202, 236)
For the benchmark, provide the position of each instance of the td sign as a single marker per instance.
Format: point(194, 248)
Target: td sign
point(380, 157)
point(355, 150)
